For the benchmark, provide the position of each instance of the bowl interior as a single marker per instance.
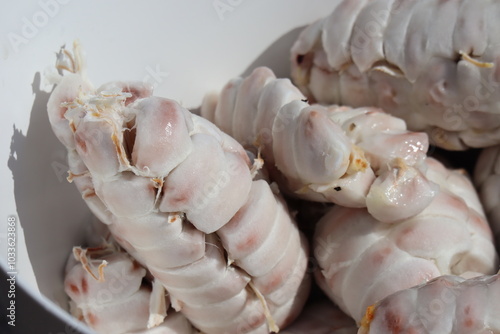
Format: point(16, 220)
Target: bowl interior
point(184, 49)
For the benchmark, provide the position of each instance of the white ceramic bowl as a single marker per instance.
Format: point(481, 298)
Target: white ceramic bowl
point(184, 48)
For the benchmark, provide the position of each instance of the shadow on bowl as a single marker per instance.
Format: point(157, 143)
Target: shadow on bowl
point(50, 209)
